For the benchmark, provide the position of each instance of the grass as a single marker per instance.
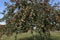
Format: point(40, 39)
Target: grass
point(19, 36)
point(28, 36)
point(55, 35)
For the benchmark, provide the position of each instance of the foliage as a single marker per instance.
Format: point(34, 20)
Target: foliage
point(25, 14)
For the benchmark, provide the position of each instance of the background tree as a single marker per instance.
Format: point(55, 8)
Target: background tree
point(23, 14)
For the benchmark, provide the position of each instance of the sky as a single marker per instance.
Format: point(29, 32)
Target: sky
point(2, 6)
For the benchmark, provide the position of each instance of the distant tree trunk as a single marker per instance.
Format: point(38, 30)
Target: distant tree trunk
point(16, 34)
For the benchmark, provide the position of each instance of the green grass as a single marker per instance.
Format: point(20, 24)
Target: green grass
point(19, 36)
point(28, 36)
point(55, 35)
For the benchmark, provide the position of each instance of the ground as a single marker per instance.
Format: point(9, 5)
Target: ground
point(54, 35)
